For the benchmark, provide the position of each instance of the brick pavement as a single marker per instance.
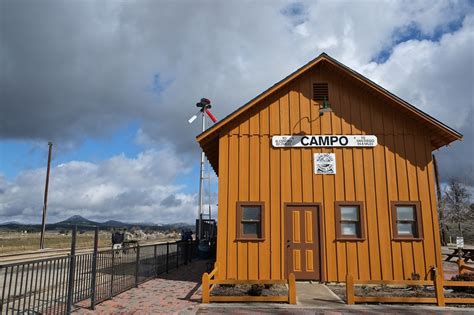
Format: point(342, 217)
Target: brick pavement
point(178, 292)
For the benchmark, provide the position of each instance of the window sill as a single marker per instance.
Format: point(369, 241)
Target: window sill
point(410, 239)
point(351, 239)
point(250, 239)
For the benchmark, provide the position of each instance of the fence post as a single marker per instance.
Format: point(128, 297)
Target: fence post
point(460, 263)
point(72, 265)
point(177, 254)
point(112, 274)
point(439, 290)
point(350, 289)
point(186, 252)
point(291, 289)
point(167, 255)
point(205, 288)
point(137, 265)
point(155, 261)
point(94, 267)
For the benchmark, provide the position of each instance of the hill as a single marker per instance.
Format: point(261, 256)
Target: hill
point(86, 224)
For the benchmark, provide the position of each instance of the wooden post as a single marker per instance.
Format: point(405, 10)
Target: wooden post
point(291, 289)
point(45, 204)
point(350, 289)
point(205, 288)
point(460, 263)
point(216, 266)
point(439, 290)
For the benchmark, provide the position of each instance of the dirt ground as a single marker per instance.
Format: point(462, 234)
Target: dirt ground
point(17, 242)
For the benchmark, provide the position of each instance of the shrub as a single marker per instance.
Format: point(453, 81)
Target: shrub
point(255, 290)
point(463, 277)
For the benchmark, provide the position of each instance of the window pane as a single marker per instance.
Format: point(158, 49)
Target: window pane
point(349, 228)
point(350, 213)
point(406, 229)
point(251, 229)
point(251, 213)
point(405, 213)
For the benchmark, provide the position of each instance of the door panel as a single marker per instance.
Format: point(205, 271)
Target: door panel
point(302, 242)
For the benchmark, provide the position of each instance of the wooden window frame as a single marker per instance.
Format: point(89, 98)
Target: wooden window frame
point(337, 210)
point(418, 224)
point(239, 229)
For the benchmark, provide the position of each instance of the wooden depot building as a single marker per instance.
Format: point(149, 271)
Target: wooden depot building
point(323, 174)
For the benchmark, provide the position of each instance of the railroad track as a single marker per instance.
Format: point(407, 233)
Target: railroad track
point(11, 258)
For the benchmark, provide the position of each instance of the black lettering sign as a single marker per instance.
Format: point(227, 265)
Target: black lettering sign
point(303, 140)
point(343, 140)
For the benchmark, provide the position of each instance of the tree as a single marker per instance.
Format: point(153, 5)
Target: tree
point(457, 201)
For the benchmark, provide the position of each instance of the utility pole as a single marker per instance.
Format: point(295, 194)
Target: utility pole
point(45, 205)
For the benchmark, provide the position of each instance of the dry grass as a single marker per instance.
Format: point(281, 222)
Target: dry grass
point(18, 242)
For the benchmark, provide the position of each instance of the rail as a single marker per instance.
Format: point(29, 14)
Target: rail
point(55, 285)
point(209, 281)
point(439, 284)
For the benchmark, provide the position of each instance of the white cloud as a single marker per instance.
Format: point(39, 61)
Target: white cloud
point(73, 70)
point(121, 188)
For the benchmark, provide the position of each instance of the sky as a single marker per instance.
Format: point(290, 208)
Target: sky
point(113, 83)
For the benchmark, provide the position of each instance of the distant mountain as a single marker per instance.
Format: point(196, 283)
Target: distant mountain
point(77, 219)
point(114, 223)
point(86, 224)
point(10, 222)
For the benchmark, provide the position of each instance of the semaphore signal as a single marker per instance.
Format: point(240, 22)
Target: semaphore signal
point(205, 105)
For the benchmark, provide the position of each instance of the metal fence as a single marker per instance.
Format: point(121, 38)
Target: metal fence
point(54, 285)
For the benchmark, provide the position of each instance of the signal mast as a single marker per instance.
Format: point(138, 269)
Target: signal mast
point(205, 105)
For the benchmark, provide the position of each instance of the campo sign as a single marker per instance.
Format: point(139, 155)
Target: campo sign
point(318, 141)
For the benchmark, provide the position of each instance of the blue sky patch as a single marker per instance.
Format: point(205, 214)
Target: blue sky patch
point(413, 31)
point(296, 12)
point(19, 155)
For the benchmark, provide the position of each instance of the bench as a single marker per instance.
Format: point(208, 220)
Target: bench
point(467, 254)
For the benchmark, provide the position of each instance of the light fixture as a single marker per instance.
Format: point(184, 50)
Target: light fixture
point(325, 107)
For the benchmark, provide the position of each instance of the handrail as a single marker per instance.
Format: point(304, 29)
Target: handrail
point(439, 284)
point(209, 282)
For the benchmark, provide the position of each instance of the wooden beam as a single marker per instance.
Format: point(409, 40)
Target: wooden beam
point(249, 299)
point(291, 289)
point(387, 299)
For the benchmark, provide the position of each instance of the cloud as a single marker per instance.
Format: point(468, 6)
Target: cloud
point(81, 69)
point(120, 188)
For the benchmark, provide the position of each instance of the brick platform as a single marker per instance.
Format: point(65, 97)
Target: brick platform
point(178, 292)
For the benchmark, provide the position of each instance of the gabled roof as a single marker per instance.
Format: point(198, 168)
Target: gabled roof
point(442, 134)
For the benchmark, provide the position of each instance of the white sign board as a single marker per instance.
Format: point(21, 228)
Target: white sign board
point(322, 141)
point(459, 242)
point(325, 163)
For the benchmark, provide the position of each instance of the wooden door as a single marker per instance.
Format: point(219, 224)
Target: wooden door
point(302, 242)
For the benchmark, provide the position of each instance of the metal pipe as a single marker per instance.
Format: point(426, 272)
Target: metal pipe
point(72, 265)
point(45, 204)
point(201, 179)
point(94, 268)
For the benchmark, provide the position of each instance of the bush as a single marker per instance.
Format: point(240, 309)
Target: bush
point(255, 290)
point(463, 277)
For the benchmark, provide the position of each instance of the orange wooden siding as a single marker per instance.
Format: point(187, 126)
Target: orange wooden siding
point(398, 168)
